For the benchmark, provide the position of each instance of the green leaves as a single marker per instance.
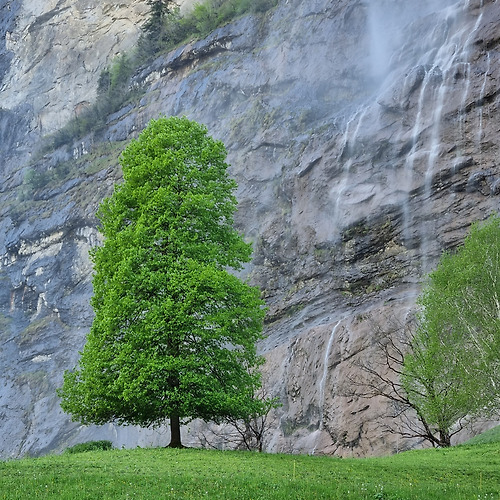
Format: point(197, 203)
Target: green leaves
point(177, 194)
point(452, 371)
point(174, 332)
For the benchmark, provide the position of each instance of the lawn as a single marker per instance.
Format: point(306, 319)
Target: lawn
point(464, 472)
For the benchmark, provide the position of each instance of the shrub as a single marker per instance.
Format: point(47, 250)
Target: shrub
point(263, 5)
point(35, 179)
point(90, 446)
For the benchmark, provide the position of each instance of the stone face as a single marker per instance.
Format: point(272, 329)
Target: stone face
point(56, 50)
point(364, 140)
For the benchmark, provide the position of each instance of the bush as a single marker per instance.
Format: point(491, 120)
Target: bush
point(35, 179)
point(90, 446)
point(263, 5)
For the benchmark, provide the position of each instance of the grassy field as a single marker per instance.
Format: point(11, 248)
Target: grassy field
point(464, 472)
point(491, 436)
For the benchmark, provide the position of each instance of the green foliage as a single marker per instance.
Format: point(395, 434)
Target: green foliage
point(38, 179)
point(262, 5)
point(119, 74)
point(155, 32)
point(487, 437)
point(102, 445)
point(5, 321)
point(174, 332)
point(160, 9)
point(452, 372)
point(468, 472)
point(35, 179)
point(102, 156)
point(113, 92)
point(211, 14)
point(167, 28)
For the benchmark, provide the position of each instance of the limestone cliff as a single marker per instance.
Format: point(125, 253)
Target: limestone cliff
point(363, 137)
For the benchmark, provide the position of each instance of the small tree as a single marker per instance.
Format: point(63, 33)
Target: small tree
point(244, 433)
point(452, 372)
point(443, 371)
point(174, 332)
point(252, 428)
point(155, 32)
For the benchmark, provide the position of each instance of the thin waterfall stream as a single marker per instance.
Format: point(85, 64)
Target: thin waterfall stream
point(322, 382)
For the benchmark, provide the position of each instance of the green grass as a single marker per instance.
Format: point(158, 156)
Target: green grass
point(491, 436)
point(465, 472)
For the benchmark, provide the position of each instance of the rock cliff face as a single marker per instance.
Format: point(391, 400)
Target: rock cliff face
point(363, 137)
point(57, 49)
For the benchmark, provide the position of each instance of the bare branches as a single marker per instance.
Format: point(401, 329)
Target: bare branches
point(441, 372)
point(381, 374)
point(243, 434)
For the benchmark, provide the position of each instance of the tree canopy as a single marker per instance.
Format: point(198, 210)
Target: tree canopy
point(441, 368)
point(155, 31)
point(174, 334)
point(452, 372)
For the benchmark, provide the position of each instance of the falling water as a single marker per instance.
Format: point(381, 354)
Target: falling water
point(441, 62)
point(446, 60)
point(384, 22)
point(410, 158)
point(446, 55)
point(348, 142)
point(322, 382)
point(481, 102)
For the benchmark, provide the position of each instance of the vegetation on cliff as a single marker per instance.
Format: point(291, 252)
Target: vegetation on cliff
point(165, 29)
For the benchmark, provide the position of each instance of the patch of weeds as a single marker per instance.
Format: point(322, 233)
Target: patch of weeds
point(5, 322)
point(32, 332)
point(115, 89)
point(37, 381)
point(102, 445)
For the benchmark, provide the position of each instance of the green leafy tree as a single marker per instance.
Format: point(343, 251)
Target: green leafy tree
point(441, 371)
point(174, 334)
point(452, 372)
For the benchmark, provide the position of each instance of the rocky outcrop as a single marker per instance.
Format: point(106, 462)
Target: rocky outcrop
point(57, 50)
point(364, 142)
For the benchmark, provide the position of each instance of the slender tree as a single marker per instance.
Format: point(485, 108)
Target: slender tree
point(452, 372)
point(442, 372)
point(174, 334)
point(155, 32)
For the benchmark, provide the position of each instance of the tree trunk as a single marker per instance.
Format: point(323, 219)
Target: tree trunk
point(175, 432)
point(444, 439)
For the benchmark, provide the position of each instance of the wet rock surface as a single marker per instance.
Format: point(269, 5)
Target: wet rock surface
point(364, 141)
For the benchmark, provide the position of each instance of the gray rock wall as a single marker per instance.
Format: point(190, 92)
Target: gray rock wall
point(364, 141)
point(58, 49)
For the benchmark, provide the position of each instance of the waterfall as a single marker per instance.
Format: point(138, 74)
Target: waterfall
point(385, 20)
point(481, 101)
point(440, 56)
point(410, 160)
point(445, 55)
point(453, 53)
point(339, 193)
point(322, 382)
